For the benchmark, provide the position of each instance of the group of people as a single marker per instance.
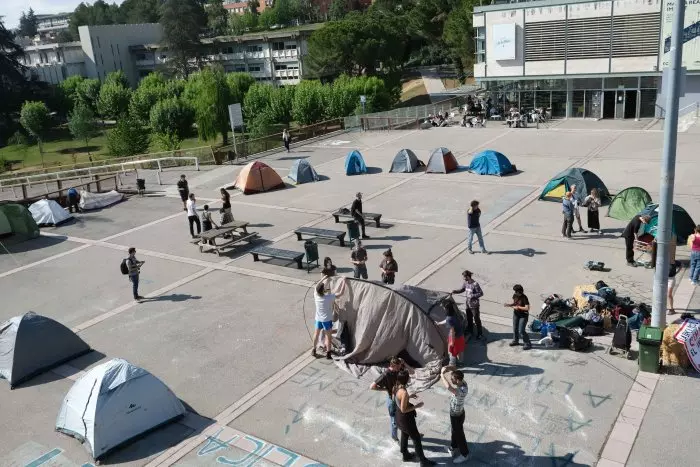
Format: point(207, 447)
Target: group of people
point(571, 209)
point(189, 203)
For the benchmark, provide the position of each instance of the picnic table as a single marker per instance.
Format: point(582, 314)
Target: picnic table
point(231, 233)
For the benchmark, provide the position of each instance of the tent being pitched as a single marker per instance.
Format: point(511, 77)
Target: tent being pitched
point(682, 225)
point(258, 177)
point(48, 212)
point(405, 161)
point(16, 219)
point(585, 181)
point(491, 163)
point(32, 344)
point(628, 202)
point(378, 322)
point(441, 161)
point(114, 403)
point(355, 163)
point(302, 172)
point(89, 200)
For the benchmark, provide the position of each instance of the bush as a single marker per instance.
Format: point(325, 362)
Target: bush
point(128, 138)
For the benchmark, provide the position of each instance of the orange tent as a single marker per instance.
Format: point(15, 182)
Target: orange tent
point(258, 177)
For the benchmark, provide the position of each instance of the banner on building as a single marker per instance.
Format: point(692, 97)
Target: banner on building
point(691, 34)
point(503, 36)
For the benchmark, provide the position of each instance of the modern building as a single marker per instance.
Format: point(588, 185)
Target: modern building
point(582, 58)
point(48, 26)
point(239, 8)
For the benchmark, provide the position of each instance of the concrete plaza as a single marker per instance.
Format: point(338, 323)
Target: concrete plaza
point(230, 336)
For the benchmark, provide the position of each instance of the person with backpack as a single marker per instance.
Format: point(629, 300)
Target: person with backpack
point(132, 267)
point(455, 337)
point(473, 293)
point(521, 312)
point(73, 199)
point(184, 190)
point(456, 385)
point(389, 267)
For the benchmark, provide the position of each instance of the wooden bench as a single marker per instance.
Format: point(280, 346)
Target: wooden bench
point(236, 237)
point(277, 254)
point(321, 233)
point(367, 215)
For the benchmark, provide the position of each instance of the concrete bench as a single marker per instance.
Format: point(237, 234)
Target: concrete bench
point(367, 215)
point(321, 233)
point(277, 254)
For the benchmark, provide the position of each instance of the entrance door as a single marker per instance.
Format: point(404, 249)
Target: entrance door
point(619, 104)
point(609, 104)
point(630, 104)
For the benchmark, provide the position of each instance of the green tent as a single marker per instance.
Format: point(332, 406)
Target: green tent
point(628, 202)
point(16, 219)
point(682, 224)
point(585, 181)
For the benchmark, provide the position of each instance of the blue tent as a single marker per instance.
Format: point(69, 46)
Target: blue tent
point(354, 163)
point(491, 163)
point(302, 172)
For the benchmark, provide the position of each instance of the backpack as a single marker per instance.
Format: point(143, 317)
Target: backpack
point(600, 284)
point(124, 267)
point(578, 342)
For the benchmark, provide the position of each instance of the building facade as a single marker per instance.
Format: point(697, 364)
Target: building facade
point(48, 26)
point(600, 59)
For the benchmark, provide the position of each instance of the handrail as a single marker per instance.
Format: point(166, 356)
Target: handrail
point(696, 105)
point(90, 171)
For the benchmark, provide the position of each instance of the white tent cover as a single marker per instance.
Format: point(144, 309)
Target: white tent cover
point(48, 212)
point(114, 403)
point(90, 200)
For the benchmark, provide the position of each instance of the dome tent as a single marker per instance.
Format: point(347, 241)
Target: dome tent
point(16, 219)
point(585, 181)
point(302, 172)
point(48, 212)
point(355, 163)
point(628, 202)
point(405, 161)
point(258, 177)
point(32, 344)
point(491, 163)
point(682, 224)
point(441, 161)
point(113, 403)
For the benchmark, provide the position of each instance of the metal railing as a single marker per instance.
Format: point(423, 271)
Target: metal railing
point(404, 114)
point(694, 107)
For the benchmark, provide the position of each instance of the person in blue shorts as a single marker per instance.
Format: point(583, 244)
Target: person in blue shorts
point(324, 316)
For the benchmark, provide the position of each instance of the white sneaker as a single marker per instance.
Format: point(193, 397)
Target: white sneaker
point(450, 451)
point(460, 459)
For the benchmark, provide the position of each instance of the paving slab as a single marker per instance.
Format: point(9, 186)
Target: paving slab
point(618, 175)
point(15, 254)
point(649, 145)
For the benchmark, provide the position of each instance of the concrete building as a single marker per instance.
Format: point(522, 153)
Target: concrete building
point(239, 8)
point(582, 58)
point(48, 26)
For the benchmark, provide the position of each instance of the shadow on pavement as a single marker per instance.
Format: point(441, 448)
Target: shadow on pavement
point(502, 453)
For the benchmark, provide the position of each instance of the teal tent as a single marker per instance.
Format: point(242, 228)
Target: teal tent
point(628, 202)
point(682, 224)
point(354, 163)
point(585, 181)
point(491, 163)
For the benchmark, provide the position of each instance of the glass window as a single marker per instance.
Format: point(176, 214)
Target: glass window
point(253, 67)
point(650, 82)
point(593, 104)
point(588, 83)
point(254, 48)
point(278, 46)
point(577, 103)
point(558, 104)
point(614, 83)
point(647, 103)
point(527, 100)
point(290, 46)
point(280, 66)
point(542, 99)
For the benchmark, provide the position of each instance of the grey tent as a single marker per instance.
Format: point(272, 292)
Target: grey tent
point(441, 161)
point(114, 403)
point(405, 161)
point(377, 322)
point(32, 344)
point(302, 172)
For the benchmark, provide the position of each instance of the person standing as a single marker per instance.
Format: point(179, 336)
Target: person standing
point(592, 203)
point(406, 421)
point(386, 382)
point(134, 266)
point(329, 268)
point(192, 216)
point(472, 293)
point(226, 215)
point(389, 267)
point(456, 385)
point(324, 316)
point(73, 199)
point(358, 257)
point(521, 310)
point(576, 202)
point(474, 226)
point(455, 336)
point(184, 190)
point(674, 267)
point(567, 209)
point(630, 234)
point(356, 213)
point(286, 139)
point(207, 222)
point(694, 245)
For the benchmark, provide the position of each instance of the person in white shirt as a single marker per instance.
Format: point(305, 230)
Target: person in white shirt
point(324, 315)
point(458, 387)
point(192, 216)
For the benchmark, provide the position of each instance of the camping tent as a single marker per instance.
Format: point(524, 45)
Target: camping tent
point(302, 172)
point(258, 177)
point(31, 344)
point(113, 403)
point(441, 161)
point(628, 202)
point(354, 163)
point(491, 163)
point(377, 322)
point(48, 212)
point(682, 224)
point(16, 219)
point(585, 181)
point(89, 200)
point(405, 161)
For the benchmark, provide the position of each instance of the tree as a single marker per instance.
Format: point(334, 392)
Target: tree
point(182, 22)
point(140, 11)
point(118, 78)
point(28, 24)
point(281, 104)
point(236, 26)
point(152, 89)
point(173, 117)
point(250, 20)
point(208, 93)
point(268, 17)
point(82, 124)
point(88, 93)
point(338, 10)
point(257, 100)
point(253, 7)
point(217, 17)
point(239, 84)
point(113, 101)
point(69, 87)
point(20, 141)
point(35, 118)
point(459, 44)
point(308, 102)
point(12, 74)
point(98, 13)
point(128, 138)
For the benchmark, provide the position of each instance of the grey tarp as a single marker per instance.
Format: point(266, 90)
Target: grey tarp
point(378, 322)
point(31, 344)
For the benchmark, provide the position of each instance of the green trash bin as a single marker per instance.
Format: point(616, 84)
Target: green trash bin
point(353, 231)
point(311, 249)
point(649, 339)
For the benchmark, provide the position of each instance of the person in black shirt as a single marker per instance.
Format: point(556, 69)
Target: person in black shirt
point(184, 191)
point(358, 257)
point(630, 234)
point(673, 270)
point(356, 213)
point(521, 309)
point(387, 382)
